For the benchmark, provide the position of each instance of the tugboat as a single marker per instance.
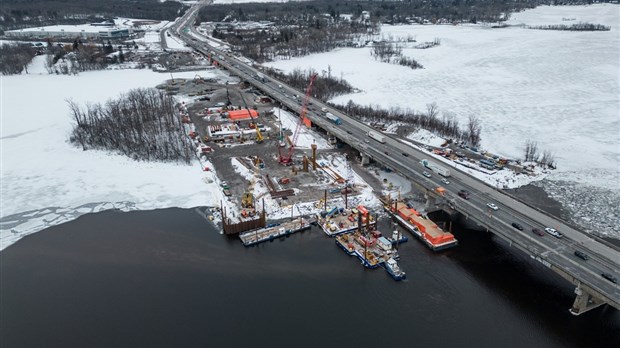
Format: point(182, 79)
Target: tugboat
point(397, 238)
point(392, 268)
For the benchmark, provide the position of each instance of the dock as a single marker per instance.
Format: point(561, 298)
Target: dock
point(421, 226)
point(274, 231)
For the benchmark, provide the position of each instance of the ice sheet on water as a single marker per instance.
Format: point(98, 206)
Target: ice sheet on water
point(16, 226)
point(593, 208)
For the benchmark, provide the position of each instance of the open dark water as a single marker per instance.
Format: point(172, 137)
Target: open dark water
point(166, 278)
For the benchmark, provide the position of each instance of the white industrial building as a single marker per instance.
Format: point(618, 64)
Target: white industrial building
point(85, 31)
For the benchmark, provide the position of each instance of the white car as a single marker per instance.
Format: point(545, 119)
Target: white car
point(426, 174)
point(553, 232)
point(492, 206)
point(445, 181)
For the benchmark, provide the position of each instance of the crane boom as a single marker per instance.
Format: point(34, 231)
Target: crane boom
point(287, 157)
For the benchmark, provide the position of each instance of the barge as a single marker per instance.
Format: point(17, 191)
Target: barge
point(274, 231)
point(421, 226)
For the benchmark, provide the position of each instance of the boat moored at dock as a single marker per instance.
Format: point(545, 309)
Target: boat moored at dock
point(394, 270)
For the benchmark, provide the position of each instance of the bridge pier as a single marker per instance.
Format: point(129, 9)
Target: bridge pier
point(365, 159)
point(431, 203)
point(584, 301)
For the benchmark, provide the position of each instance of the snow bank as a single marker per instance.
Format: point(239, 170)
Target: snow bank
point(306, 136)
point(41, 169)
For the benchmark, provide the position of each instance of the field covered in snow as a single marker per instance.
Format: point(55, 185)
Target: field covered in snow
point(46, 180)
point(559, 88)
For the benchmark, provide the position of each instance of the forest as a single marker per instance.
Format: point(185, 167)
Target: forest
point(141, 124)
point(384, 11)
point(17, 14)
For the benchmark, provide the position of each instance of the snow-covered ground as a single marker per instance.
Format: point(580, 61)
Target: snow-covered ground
point(175, 43)
point(559, 88)
point(306, 136)
point(46, 180)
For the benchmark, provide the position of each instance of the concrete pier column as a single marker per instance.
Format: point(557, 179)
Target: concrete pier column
point(365, 160)
point(431, 203)
point(584, 301)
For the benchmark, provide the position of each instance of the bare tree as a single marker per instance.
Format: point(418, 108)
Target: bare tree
point(531, 151)
point(142, 125)
point(548, 159)
point(473, 130)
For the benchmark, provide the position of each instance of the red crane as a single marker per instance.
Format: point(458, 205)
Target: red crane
point(286, 156)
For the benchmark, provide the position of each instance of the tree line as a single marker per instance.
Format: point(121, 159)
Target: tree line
point(532, 154)
point(325, 85)
point(141, 124)
point(572, 27)
point(16, 14)
point(396, 12)
point(15, 58)
point(447, 125)
point(388, 52)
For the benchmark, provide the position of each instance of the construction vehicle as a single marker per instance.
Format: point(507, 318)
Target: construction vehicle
point(285, 157)
point(247, 200)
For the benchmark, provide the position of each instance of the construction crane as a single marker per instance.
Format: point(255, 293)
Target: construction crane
point(286, 156)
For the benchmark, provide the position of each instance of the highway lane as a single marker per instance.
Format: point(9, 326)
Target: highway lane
point(557, 251)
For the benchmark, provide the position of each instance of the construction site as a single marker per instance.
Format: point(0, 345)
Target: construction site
point(271, 163)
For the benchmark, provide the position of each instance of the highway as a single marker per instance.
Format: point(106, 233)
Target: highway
point(555, 253)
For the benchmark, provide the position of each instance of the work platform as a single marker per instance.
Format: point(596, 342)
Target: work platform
point(373, 250)
point(340, 220)
point(274, 231)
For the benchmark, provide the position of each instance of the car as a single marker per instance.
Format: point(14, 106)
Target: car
point(517, 226)
point(445, 181)
point(492, 206)
point(387, 153)
point(349, 132)
point(367, 141)
point(538, 231)
point(463, 194)
point(609, 277)
point(426, 174)
point(582, 255)
point(553, 232)
point(405, 154)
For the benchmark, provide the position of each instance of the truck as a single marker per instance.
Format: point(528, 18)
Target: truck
point(260, 77)
point(435, 168)
point(333, 118)
point(377, 136)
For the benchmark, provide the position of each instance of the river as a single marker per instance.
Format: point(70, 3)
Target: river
point(167, 278)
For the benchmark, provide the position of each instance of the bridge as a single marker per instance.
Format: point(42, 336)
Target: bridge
point(591, 289)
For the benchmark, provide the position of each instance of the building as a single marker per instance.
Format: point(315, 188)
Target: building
point(84, 31)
